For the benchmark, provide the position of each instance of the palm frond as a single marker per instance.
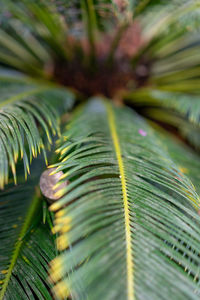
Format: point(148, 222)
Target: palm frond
point(127, 222)
point(181, 110)
point(176, 72)
point(25, 109)
point(26, 245)
point(188, 105)
point(169, 53)
point(187, 160)
point(30, 47)
point(189, 131)
point(30, 274)
point(178, 15)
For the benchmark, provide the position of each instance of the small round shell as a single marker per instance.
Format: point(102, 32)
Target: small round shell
point(47, 182)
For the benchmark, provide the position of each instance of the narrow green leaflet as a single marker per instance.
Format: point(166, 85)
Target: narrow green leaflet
point(29, 117)
point(28, 36)
point(187, 160)
point(188, 130)
point(169, 56)
point(26, 245)
point(127, 223)
point(188, 105)
point(29, 278)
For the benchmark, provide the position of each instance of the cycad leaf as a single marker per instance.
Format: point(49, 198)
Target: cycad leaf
point(26, 247)
point(171, 48)
point(181, 16)
point(127, 222)
point(31, 35)
point(181, 110)
point(187, 160)
point(189, 130)
point(188, 105)
point(28, 113)
point(30, 275)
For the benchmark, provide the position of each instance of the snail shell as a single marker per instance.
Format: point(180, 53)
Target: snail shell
point(47, 182)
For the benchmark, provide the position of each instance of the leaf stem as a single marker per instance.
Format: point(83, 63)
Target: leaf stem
point(129, 259)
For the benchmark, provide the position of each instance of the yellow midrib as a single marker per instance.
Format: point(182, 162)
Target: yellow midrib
point(129, 261)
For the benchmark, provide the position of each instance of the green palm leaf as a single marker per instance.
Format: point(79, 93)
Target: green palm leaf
point(188, 130)
point(181, 110)
point(188, 105)
point(170, 47)
point(31, 49)
point(29, 276)
point(127, 223)
point(187, 160)
point(25, 109)
point(26, 247)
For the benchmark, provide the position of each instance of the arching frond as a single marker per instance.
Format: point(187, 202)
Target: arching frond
point(189, 131)
point(127, 222)
point(26, 245)
point(188, 105)
point(28, 116)
point(181, 110)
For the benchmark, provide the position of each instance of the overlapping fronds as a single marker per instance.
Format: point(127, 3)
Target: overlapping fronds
point(25, 109)
point(169, 53)
point(190, 132)
point(181, 110)
point(30, 47)
point(176, 66)
point(39, 41)
point(127, 223)
point(25, 247)
point(188, 105)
